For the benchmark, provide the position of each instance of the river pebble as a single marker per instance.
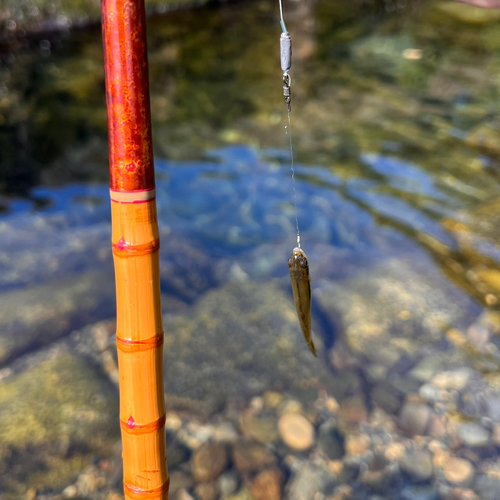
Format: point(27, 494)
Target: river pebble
point(331, 440)
point(206, 491)
point(249, 456)
point(417, 464)
point(208, 461)
point(227, 484)
point(357, 444)
point(296, 431)
point(456, 379)
point(458, 470)
point(473, 435)
point(414, 418)
point(262, 428)
point(267, 485)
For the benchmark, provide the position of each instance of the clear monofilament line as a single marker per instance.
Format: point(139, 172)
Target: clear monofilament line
point(288, 130)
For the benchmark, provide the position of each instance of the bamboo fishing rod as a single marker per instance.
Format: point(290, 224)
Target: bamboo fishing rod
point(135, 243)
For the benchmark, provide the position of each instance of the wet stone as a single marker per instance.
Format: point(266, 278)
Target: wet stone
point(426, 368)
point(353, 411)
point(417, 464)
point(473, 435)
point(250, 456)
point(176, 452)
point(414, 418)
point(457, 379)
point(331, 441)
point(310, 479)
point(208, 462)
point(227, 484)
point(41, 314)
point(487, 487)
point(458, 471)
point(206, 491)
point(357, 444)
point(296, 431)
point(419, 493)
point(385, 398)
point(56, 415)
point(262, 428)
point(209, 371)
point(179, 480)
point(267, 485)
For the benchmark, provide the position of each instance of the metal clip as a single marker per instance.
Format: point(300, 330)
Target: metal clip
point(287, 92)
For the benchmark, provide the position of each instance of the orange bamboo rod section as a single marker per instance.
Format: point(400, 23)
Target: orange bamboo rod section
point(135, 245)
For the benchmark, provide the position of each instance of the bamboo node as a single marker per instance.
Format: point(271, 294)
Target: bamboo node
point(132, 427)
point(138, 493)
point(129, 345)
point(125, 249)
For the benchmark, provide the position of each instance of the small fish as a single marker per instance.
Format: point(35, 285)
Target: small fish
point(301, 285)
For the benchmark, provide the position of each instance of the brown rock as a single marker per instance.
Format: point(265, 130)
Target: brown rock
point(296, 431)
point(353, 411)
point(208, 462)
point(250, 456)
point(206, 491)
point(267, 485)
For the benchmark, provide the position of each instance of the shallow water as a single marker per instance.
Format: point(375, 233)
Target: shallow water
point(397, 145)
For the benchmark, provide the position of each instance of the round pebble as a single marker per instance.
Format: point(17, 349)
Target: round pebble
point(473, 435)
point(296, 431)
point(208, 462)
point(414, 418)
point(267, 485)
point(357, 445)
point(458, 470)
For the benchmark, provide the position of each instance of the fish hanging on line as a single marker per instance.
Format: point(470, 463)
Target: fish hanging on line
point(301, 286)
point(297, 263)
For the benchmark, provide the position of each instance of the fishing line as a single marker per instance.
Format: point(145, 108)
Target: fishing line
point(288, 131)
point(286, 63)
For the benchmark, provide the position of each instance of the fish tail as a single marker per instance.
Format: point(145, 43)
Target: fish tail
point(310, 343)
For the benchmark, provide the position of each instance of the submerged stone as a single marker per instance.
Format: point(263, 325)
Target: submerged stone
point(237, 341)
point(56, 416)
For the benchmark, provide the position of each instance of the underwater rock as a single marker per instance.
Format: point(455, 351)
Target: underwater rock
point(235, 342)
point(417, 464)
point(208, 462)
point(473, 435)
point(309, 480)
point(394, 309)
point(179, 480)
point(260, 427)
point(206, 491)
point(56, 415)
point(41, 314)
point(296, 431)
point(249, 456)
point(267, 485)
point(227, 484)
point(458, 471)
point(414, 418)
